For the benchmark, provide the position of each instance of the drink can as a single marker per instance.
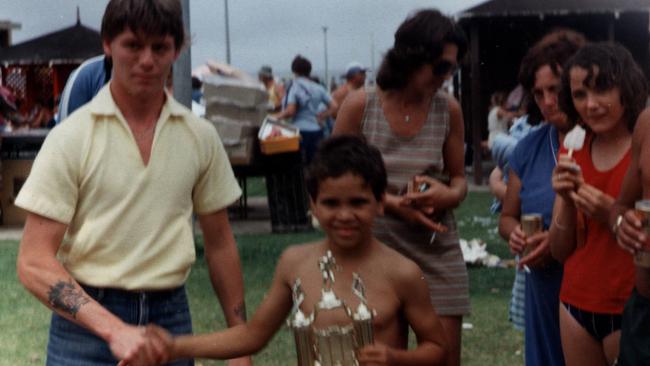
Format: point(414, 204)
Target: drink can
point(642, 208)
point(530, 225)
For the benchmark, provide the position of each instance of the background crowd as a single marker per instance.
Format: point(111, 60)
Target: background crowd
point(575, 274)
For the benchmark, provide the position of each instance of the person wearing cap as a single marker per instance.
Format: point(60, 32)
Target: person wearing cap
point(275, 90)
point(355, 76)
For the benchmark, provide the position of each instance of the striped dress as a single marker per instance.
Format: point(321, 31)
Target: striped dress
point(441, 261)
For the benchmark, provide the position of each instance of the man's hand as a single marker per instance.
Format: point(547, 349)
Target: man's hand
point(142, 346)
point(375, 354)
point(630, 233)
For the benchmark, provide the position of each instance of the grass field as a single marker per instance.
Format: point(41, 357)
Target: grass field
point(491, 341)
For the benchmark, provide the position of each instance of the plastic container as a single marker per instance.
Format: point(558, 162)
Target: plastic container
point(278, 137)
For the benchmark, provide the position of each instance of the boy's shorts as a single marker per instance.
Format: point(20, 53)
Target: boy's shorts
point(635, 332)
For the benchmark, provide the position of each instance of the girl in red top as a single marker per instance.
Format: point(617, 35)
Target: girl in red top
point(605, 90)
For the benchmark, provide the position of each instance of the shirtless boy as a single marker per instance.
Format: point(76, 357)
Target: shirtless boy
point(627, 226)
point(346, 183)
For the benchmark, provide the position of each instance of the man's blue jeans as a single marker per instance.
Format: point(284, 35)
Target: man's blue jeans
point(72, 345)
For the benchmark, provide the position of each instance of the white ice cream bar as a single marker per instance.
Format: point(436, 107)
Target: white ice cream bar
point(575, 139)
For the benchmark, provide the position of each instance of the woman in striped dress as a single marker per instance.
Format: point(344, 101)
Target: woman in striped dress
point(419, 130)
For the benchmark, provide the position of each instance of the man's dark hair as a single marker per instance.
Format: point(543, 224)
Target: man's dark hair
point(419, 40)
point(554, 49)
point(150, 17)
point(344, 154)
point(608, 65)
point(301, 66)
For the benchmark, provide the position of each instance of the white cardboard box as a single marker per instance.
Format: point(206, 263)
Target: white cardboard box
point(237, 92)
point(253, 116)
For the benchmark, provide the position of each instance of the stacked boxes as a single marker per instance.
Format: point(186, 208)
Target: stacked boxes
point(18, 151)
point(237, 108)
point(14, 174)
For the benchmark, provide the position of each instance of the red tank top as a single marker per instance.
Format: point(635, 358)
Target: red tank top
point(599, 276)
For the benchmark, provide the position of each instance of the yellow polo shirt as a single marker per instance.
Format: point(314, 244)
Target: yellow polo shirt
point(128, 223)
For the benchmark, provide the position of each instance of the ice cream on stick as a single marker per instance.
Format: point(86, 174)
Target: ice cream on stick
point(575, 139)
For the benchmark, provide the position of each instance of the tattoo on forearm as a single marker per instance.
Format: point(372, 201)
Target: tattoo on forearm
point(240, 311)
point(67, 297)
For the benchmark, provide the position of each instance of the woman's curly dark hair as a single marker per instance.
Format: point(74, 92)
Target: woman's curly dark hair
point(419, 40)
point(554, 49)
point(609, 65)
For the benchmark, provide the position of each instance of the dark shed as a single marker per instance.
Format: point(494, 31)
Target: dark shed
point(500, 32)
point(37, 69)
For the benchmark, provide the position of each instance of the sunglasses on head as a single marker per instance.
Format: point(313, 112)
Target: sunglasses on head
point(444, 67)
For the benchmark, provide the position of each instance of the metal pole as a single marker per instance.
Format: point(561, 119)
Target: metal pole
point(475, 100)
point(182, 73)
point(182, 76)
point(372, 56)
point(327, 81)
point(227, 33)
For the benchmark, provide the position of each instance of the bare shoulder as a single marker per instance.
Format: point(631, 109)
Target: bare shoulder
point(295, 256)
point(348, 119)
point(297, 253)
point(340, 92)
point(357, 98)
point(454, 106)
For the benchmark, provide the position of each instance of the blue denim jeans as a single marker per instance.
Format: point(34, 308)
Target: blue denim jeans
point(71, 345)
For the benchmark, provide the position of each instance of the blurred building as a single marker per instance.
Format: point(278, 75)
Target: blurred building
point(36, 70)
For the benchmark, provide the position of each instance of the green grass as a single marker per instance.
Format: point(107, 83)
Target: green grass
point(24, 322)
point(256, 187)
point(492, 341)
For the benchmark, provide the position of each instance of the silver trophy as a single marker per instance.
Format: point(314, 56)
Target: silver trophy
point(363, 316)
point(301, 326)
point(334, 345)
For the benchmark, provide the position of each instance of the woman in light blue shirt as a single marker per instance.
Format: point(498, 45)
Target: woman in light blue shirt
point(301, 105)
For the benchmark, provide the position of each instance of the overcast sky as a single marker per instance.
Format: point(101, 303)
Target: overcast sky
point(261, 31)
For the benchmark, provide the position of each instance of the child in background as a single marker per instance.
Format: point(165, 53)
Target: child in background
point(499, 117)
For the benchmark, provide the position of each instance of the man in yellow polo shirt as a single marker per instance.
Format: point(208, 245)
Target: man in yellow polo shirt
point(108, 242)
